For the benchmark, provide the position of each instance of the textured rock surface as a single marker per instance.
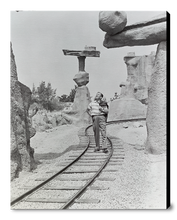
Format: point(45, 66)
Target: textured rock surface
point(127, 90)
point(21, 152)
point(112, 22)
point(126, 108)
point(139, 71)
point(147, 35)
point(81, 102)
point(156, 112)
point(148, 32)
point(81, 78)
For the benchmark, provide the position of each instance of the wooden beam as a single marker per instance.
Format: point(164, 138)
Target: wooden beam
point(79, 53)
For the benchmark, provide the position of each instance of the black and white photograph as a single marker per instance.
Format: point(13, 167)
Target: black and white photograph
point(88, 110)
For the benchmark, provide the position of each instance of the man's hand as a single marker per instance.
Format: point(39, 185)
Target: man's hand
point(104, 110)
point(101, 109)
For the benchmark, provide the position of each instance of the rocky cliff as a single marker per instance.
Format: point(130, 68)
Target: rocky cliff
point(156, 112)
point(21, 152)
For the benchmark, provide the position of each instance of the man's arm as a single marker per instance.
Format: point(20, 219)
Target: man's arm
point(89, 109)
point(104, 109)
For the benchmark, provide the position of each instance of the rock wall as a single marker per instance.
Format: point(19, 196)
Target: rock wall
point(126, 108)
point(21, 152)
point(156, 112)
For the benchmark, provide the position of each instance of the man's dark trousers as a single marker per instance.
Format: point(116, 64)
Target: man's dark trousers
point(99, 124)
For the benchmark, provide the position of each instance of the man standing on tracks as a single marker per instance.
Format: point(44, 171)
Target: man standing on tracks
point(98, 109)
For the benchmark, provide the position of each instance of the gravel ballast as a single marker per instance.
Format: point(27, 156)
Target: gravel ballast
point(139, 178)
point(139, 184)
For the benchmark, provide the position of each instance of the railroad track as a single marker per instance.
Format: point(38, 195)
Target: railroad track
point(83, 166)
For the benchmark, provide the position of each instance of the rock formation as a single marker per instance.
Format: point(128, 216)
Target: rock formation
point(126, 107)
point(139, 70)
point(144, 33)
point(112, 22)
point(81, 102)
point(135, 89)
point(127, 90)
point(156, 112)
point(21, 152)
point(81, 79)
point(148, 33)
point(82, 96)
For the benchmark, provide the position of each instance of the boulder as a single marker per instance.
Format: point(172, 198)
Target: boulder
point(63, 121)
point(81, 78)
point(125, 125)
point(156, 111)
point(112, 22)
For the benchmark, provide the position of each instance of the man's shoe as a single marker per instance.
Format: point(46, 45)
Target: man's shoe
point(96, 149)
point(105, 151)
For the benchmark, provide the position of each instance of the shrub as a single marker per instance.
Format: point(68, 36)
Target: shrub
point(46, 97)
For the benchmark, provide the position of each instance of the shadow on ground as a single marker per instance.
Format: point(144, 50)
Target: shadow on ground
point(50, 155)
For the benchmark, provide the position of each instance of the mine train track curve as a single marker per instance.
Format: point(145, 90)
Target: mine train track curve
point(86, 147)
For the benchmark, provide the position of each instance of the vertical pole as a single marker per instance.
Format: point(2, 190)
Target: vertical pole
point(81, 63)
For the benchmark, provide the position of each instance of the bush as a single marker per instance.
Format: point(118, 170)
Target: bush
point(57, 105)
point(70, 97)
point(46, 97)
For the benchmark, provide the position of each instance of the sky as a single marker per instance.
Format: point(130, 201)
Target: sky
point(38, 38)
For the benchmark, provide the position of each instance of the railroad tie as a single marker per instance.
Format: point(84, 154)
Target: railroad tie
point(74, 188)
point(53, 200)
point(77, 179)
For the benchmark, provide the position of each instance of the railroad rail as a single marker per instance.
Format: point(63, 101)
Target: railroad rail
point(97, 160)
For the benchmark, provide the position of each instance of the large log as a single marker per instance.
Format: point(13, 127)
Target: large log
point(149, 32)
point(157, 19)
point(137, 36)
